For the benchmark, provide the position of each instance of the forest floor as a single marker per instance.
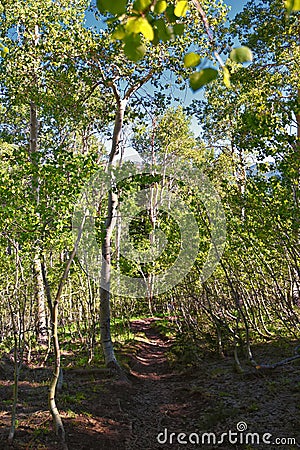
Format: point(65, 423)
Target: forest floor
point(160, 398)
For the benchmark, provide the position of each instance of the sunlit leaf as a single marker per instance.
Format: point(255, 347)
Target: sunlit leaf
point(200, 79)
point(140, 25)
point(146, 29)
point(160, 7)
point(226, 77)
point(292, 5)
point(181, 8)
point(3, 50)
point(191, 60)
point(241, 55)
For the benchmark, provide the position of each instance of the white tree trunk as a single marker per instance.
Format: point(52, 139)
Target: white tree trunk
point(38, 277)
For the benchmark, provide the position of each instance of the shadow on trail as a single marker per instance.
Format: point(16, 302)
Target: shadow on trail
point(150, 361)
point(102, 413)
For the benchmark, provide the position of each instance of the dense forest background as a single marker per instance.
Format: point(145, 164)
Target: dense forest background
point(78, 101)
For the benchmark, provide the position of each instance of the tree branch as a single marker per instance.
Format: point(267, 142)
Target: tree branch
point(135, 87)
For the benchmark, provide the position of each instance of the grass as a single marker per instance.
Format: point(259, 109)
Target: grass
point(76, 399)
point(217, 414)
point(165, 327)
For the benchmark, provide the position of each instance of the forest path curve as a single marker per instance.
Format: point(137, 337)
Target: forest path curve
point(102, 413)
point(158, 399)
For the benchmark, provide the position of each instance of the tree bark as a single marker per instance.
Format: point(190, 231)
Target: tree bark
point(110, 224)
point(38, 278)
point(40, 301)
point(57, 373)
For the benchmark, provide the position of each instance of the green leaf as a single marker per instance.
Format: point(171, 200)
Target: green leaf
point(226, 77)
point(141, 5)
point(170, 14)
point(133, 48)
point(292, 5)
point(119, 33)
point(134, 52)
point(4, 50)
point(241, 55)
point(140, 25)
point(146, 29)
point(200, 79)
point(160, 7)
point(296, 5)
point(181, 8)
point(155, 41)
point(116, 7)
point(191, 60)
point(163, 31)
point(178, 29)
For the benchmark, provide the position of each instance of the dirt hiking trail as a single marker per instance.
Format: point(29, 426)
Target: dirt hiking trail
point(101, 413)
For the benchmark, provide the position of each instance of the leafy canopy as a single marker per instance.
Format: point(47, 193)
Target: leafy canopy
point(141, 22)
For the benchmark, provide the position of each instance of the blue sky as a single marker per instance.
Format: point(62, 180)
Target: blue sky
point(187, 95)
point(236, 6)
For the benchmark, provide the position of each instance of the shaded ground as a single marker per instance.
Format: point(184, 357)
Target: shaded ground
point(101, 413)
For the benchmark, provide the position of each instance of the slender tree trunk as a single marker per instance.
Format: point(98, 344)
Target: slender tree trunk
point(38, 277)
point(18, 331)
point(153, 206)
point(40, 300)
point(57, 373)
point(59, 428)
point(298, 120)
point(53, 307)
point(17, 367)
point(106, 341)
point(242, 178)
point(110, 224)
